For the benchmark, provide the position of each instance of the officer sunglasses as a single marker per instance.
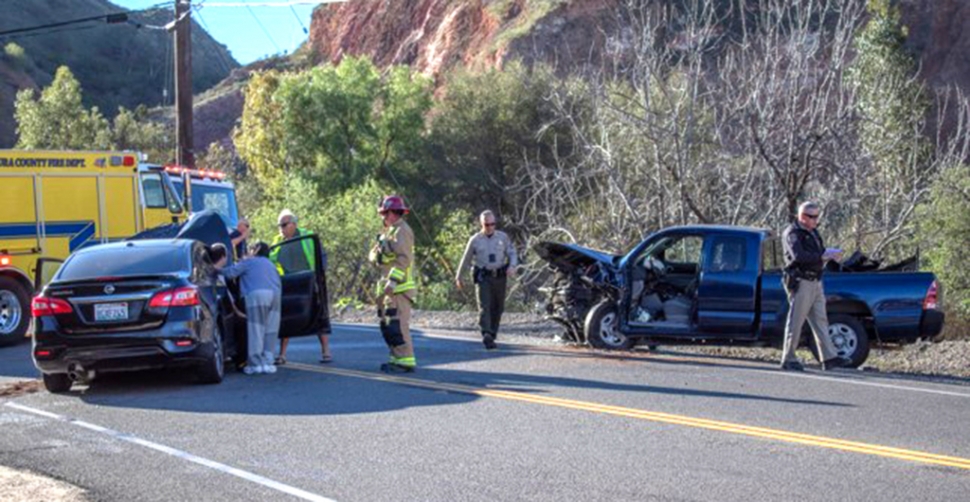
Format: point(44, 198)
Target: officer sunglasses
point(284, 224)
point(492, 224)
point(810, 216)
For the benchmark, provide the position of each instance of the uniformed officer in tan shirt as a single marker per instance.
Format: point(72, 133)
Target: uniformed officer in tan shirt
point(493, 258)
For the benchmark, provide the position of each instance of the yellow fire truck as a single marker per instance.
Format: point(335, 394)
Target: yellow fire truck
point(54, 202)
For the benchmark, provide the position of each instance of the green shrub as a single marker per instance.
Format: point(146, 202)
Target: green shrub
point(945, 231)
point(15, 55)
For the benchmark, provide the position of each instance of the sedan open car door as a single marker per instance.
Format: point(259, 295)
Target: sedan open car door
point(305, 306)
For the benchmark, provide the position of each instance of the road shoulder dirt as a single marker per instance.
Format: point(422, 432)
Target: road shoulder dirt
point(23, 486)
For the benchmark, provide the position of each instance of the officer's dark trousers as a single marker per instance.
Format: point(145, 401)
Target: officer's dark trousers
point(491, 303)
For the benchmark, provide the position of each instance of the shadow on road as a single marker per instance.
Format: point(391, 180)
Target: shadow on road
point(294, 391)
point(15, 362)
point(756, 362)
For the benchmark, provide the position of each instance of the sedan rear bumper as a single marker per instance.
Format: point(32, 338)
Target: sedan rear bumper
point(173, 345)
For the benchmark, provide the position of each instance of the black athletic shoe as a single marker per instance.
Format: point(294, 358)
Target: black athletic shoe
point(396, 368)
point(792, 366)
point(489, 342)
point(836, 362)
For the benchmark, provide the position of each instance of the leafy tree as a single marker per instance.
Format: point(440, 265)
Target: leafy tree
point(945, 232)
point(260, 136)
point(892, 108)
point(58, 120)
point(337, 125)
point(353, 122)
point(132, 130)
point(487, 127)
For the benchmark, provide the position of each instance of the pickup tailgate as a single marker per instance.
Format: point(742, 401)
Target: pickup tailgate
point(902, 304)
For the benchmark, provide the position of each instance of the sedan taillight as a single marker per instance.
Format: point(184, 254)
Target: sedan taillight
point(187, 296)
point(43, 306)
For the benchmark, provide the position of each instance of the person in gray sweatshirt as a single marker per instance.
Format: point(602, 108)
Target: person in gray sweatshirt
point(260, 285)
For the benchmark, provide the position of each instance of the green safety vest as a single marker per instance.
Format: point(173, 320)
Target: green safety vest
point(307, 250)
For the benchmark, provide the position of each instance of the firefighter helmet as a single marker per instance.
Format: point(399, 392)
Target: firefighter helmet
point(393, 203)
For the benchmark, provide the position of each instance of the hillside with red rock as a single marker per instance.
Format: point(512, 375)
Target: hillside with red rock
point(434, 36)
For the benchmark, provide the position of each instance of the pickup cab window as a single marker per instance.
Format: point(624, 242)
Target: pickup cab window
point(771, 259)
point(727, 255)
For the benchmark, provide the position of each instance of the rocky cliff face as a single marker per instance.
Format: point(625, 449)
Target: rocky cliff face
point(435, 35)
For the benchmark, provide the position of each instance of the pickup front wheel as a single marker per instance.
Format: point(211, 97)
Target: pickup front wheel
point(603, 328)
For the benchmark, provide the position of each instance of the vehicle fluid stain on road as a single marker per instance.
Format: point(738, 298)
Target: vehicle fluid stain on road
point(668, 418)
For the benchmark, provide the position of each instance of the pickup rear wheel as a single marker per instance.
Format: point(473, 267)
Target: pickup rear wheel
point(603, 328)
point(850, 338)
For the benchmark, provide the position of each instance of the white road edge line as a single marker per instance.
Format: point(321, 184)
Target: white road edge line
point(239, 473)
point(781, 373)
point(875, 384)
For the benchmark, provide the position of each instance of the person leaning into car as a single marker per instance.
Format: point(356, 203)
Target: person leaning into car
point(261, 287)
point(805, 257)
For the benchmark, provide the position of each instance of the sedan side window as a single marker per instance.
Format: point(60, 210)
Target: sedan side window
point(203, 271)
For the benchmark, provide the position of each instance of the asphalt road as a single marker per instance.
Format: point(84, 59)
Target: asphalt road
point(526, 422)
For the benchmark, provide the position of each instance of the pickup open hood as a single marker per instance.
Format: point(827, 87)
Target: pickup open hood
point(568, 257)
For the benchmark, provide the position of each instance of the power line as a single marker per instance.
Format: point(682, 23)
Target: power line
point(61, 30)
point(118, 17)
point(260, 23)
point(219, 53)
point(112, 18)
point(297, 16)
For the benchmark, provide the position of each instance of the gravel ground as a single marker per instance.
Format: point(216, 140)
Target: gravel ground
point(948, 360)
point(22, 486)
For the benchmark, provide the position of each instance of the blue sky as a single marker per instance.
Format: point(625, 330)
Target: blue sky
point(238, 29)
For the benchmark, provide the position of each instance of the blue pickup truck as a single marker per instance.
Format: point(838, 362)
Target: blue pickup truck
point(709, 284)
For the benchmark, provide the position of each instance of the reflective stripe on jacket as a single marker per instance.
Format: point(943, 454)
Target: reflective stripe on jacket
point(394, 254)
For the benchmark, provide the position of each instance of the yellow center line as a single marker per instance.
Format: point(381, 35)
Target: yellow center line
point(660, 417)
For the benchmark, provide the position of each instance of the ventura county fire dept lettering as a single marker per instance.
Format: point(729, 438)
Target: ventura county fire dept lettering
point(49, 162)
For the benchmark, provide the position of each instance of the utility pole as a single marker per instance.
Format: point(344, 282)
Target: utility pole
point(185, 150)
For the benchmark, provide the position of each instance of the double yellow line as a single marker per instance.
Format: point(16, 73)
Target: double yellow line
point(653, 416)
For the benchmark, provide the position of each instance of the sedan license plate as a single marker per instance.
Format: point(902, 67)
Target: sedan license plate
point(111, 312)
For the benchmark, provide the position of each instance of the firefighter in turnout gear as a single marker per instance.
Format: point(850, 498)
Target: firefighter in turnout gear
point(396, 290)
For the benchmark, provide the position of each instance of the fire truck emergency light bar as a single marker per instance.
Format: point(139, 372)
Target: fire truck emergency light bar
point(196, 173)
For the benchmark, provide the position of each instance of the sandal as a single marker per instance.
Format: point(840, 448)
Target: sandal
point(280, 361)
point(326, 359)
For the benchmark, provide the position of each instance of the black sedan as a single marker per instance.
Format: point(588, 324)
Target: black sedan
point(149, 304)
